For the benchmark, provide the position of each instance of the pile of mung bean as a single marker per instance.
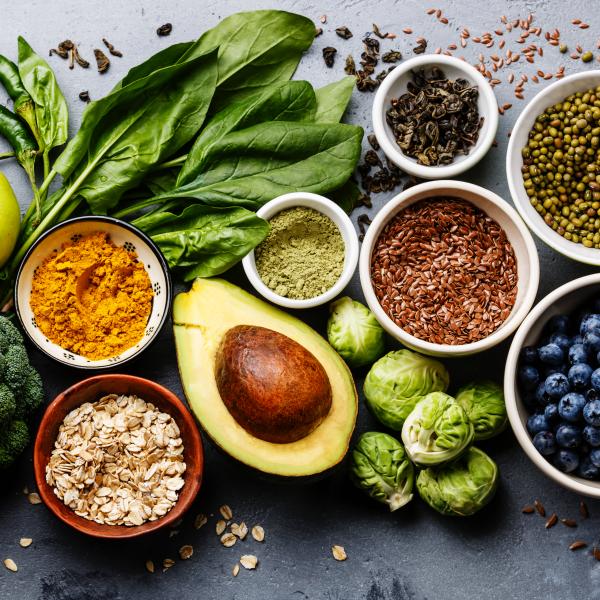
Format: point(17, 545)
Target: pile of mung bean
point(561, 167)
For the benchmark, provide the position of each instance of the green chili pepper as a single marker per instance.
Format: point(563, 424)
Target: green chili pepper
point(23, 103)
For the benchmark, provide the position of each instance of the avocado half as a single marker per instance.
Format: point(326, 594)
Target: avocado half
point(201, 319)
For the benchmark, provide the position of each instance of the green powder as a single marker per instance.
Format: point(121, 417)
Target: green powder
point(303, 255)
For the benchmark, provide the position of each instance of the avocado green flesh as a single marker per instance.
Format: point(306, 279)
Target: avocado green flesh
point(201, 317)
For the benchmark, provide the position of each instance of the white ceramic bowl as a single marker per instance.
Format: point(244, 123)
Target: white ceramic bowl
point(518, 235)
point(554, 93)
point(122, 234)
point(394, 85)
point(562, 300)
point(344, 224)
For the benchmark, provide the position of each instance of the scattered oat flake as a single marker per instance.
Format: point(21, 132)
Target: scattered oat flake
point(220, 526)
point(150, 566)
point(235, 570)
point(249, 561)
point(338, 552)
point(200, 521)
point(186, 552)
point(25, 542)
point(10, 564)
point(228, 540)
point(226, 512)
point(168, 563)
point(258, 533)
point(240, 530)
point(34, 498)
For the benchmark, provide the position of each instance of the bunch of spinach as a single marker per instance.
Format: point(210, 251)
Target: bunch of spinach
point(250, 134)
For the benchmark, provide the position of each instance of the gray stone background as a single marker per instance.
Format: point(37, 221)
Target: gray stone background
point(409, 555)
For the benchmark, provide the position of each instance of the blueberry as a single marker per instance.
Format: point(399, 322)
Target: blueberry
point(595, 380)
point(590, 324)
point(551, 354)
point(529, 355)
point(537, 423)
point(568, 436)
point(566, 460)
point(559, 323)
point(595, 457)
point(576, 339)
point(591, 342)
point(591, 435)
point(528, 377)
point(579, 375)
point(545, 443)
point(561, 340)
point(587, 469)
point(577, 354)
point(570, 406)
point(557, 385)
point(540, 394)
point(591, 413)
point(551, 413)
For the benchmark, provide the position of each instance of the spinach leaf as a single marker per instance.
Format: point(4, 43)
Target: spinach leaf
point(252, 166)
point(51, 112)
point(333, 99)
point(256, 50)
point(284, 101)
point(347, 196)
point(135, 127)
point(204, 240)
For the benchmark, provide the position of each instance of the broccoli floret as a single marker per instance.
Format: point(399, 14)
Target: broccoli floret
point(9, 335)
point(8, 406)
point(13, 442)
point(32, 395)
point(16, 368)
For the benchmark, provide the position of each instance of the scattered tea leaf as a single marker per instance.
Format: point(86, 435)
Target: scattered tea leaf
point(164, 30)
point(111, 48)
point(85, 96)
point(344, 32)
point(329, 55)
point(102, 61)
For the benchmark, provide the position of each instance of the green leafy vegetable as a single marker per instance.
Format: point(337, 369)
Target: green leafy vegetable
point(398, 381)
point(381, 468)
point(483, 401)
point(437, 430)
point(462, 487)
point(332, 100)
point(204, 241)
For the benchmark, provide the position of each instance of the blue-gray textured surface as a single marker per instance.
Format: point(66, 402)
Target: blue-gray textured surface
point(409, 555)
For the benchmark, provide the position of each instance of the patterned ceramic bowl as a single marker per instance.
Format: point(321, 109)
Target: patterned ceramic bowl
point(122, 234)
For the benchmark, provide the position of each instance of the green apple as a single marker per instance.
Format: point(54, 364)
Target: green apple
point(10, 219)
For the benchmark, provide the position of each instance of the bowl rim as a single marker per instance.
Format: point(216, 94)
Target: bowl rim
point(346, 229)
point(392, 207)
point(566, 480)
point(476, 153)
point(538, 226)
point(155, 250)
point(88, 527)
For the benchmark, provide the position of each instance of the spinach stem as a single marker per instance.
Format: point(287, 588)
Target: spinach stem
point(43, 192)
point(175, 162)
point(7, 155)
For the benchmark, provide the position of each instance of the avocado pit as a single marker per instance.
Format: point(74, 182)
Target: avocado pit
point(272, 386)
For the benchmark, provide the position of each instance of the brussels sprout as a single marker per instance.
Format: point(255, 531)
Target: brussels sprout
point(462, 487)
point(354, 332)
point(483, 401)
point(398, 381)
point(381, 468)
point(437, 430)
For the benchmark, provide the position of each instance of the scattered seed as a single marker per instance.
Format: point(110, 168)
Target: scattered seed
point(577, 545)
point(583, 510)
point(228, 540)
point(34, 498)
point(569, 522)
point(25, 542)
point(164, 30)
point(102, 61)
point(596, 553)
point(258, 533)
point(10, 564)
point(338, 552)
point(552, 521)
point(226, 512)
point(344, 32)
point(249, 561)
point(430, 11)
point(323, 18)
point(407, 30)
point(587, 57)
point(584, 26)
point(235, 570)
point(185, 552)
point(539, 507)
point(150, 566)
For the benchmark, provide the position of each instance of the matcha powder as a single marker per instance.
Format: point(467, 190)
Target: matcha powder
point(303, 255)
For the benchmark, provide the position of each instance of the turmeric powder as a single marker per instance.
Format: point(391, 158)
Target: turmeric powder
point(91, 297)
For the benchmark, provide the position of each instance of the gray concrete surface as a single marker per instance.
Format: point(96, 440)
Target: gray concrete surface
point(411, 555)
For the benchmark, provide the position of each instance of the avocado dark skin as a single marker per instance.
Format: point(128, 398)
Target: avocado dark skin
point(272, 386)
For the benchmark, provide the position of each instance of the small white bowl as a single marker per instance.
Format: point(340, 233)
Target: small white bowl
point(554, 93)
point(122, 234)
point(394, 85)
point(344, 224)
point(562, 300)
point(518, 235)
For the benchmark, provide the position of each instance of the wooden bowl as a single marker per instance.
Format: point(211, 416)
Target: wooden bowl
point(90, 390)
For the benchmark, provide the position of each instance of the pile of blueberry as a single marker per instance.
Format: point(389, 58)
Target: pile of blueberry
point(560, 386)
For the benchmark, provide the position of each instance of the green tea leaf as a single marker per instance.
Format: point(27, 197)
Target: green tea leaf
point(333, 99)
point(284, 101)
point(204, 240)
point(51, 112)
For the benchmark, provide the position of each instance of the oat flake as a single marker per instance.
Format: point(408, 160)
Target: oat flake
point(258, 533)
point(249, 561)
point(338, 552)
point(25, 542)
point(10, 564)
